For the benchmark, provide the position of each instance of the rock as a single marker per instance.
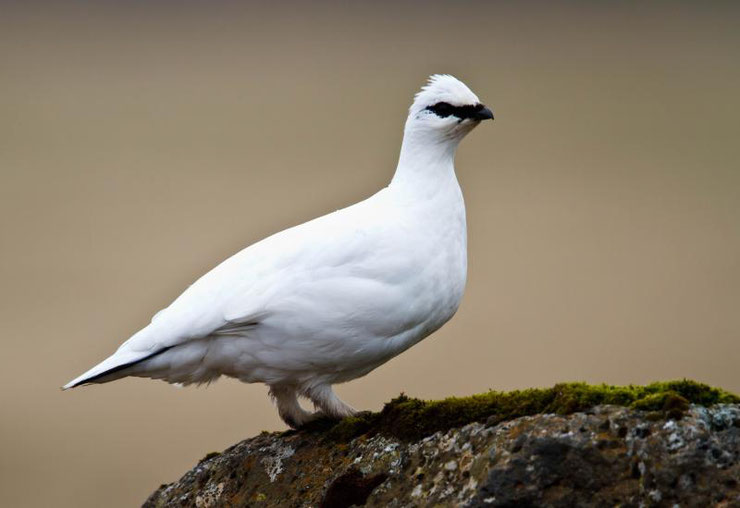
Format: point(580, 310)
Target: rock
point(605, 455)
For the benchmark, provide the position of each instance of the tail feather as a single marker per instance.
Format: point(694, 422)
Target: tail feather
point(112, 367)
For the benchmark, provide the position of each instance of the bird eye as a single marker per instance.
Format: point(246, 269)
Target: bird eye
point(442, 109)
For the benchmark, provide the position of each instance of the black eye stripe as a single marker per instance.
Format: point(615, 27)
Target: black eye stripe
point(443, 109)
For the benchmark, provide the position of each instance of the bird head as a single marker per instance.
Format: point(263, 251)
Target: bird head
point(446, 109)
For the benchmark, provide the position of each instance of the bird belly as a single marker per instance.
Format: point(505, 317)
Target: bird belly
point(326, 335)
point(342, 330)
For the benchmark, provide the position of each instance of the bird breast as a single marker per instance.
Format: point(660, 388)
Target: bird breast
point(394, 277)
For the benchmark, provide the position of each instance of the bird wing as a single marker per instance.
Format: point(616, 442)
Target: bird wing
point(242, 290)
point(326, 254)
point(345, 274)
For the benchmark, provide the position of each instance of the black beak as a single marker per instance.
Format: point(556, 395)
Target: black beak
point(483, 114)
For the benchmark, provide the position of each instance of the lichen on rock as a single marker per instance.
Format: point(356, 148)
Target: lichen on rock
point(573, 444)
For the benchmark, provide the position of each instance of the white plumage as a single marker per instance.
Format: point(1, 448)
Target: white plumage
point(332, 299)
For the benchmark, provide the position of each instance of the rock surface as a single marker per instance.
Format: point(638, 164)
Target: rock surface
point(604, 456)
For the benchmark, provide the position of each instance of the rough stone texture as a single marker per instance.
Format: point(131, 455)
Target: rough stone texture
point(606, 456)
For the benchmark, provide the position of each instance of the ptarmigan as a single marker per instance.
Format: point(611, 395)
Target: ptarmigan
point(332, 299)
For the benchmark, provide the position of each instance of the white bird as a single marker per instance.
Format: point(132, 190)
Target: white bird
point(330, 300)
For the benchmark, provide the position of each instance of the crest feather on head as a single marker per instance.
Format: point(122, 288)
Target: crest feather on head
point(443, 88)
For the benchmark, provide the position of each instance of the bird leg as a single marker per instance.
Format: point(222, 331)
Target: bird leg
point(286, 400)
point(328, 403)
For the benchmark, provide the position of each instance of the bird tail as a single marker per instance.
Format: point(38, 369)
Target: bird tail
point(114, 367)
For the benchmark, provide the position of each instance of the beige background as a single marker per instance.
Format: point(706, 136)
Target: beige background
point(141, 143)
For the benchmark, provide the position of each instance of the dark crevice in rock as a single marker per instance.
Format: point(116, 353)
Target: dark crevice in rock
point(351, 489)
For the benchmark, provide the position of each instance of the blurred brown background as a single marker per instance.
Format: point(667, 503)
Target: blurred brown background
point(143, 142)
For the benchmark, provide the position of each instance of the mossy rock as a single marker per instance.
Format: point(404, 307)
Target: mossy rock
point(411, 419)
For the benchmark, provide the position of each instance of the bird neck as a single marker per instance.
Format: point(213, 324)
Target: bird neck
point(426, 164)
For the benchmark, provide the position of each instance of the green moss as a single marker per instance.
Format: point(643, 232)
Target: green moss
point(409, 418)
point(353, 426)
point(668, 401)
